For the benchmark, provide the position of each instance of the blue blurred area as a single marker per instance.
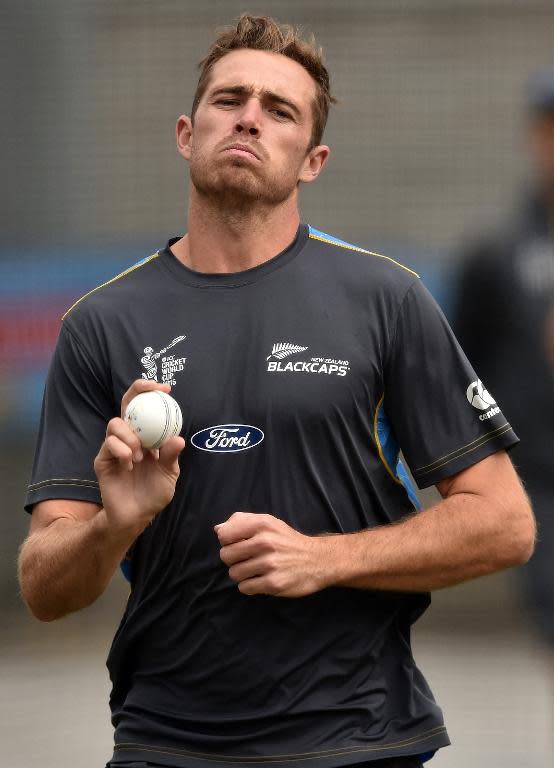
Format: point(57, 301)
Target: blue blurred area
point(68, 270)
point(36, 288)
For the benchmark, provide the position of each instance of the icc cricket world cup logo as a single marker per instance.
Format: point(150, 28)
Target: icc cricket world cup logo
point(170, 365)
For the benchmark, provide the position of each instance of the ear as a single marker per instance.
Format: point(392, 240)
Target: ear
point(314, 163)
point(183, 135)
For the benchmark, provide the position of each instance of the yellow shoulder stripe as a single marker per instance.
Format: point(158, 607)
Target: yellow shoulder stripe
point(113, 279)
point(361, 250)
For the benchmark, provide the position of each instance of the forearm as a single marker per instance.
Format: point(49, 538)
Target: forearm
point(67, 565)
point(458, 539)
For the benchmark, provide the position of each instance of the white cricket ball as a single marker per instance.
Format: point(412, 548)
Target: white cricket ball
point(155, 417)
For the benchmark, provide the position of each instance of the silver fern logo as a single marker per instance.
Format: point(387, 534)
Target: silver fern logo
point(284, 349)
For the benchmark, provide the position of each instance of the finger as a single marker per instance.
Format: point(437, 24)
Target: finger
point(255, 586)
point(114, 449)
point(241, 525)
point(138, 386)
point(241, 550)
point(121, 430)
point(169, 453)
point(248, 569)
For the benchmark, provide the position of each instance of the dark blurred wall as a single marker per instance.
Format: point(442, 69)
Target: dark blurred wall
point(424, 137)
point(14, 522)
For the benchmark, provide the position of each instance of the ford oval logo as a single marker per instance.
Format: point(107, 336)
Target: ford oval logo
point(227, 438)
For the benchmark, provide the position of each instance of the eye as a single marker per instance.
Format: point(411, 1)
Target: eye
point(227, 102)
point(281, 114)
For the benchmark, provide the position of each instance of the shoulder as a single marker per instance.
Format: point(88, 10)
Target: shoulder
point(370, 267)
point(107, 297)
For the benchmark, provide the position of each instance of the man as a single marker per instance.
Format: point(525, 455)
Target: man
point(505, 322)
point(273, 586)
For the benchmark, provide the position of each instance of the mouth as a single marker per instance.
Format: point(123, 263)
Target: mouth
point(241, 150)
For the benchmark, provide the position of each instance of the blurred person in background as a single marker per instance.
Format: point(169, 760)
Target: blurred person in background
point(273, 587)
point(505, 323)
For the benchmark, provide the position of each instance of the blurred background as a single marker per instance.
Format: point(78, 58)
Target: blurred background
point(429, 147)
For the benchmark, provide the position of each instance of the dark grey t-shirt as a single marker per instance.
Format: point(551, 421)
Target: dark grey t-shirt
point(298, 380)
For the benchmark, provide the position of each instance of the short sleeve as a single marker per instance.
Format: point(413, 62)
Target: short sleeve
point(442, 415)
point(76, 407)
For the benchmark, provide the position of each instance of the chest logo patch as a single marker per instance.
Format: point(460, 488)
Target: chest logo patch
point(227, 438)
point(285, 349)
point(160, 366)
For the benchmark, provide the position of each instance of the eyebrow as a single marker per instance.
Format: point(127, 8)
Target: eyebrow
point(248, 90)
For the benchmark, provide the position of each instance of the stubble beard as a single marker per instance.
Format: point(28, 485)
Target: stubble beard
point(236, 186)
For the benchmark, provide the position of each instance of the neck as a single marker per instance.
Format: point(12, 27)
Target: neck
point(233, 241)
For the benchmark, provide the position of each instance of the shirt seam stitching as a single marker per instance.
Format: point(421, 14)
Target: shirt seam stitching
point(397, 323)
point(63, 481)
point(294, 757)
point(480, 440)
point(84, 351)
point(507, 428)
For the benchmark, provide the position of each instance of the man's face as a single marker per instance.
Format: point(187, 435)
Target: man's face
point(252, 129)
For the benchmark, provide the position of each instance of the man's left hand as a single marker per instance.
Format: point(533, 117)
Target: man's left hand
point(267, 557)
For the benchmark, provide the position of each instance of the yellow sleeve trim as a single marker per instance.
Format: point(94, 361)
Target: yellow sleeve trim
point(113, 279)
point(442, 460)
point(507, 428)
point(361, 250)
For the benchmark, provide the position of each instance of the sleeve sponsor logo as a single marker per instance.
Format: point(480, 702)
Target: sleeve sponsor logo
point(479, 398)
point(227, 438)
point(328, 365)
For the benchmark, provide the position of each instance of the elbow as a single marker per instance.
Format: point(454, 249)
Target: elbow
point(524, 532)
point(38, 608)
point(526, 546)
point(40, 614)
point(33, 597)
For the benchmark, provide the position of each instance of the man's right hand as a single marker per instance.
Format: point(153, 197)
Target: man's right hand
point(135, 483)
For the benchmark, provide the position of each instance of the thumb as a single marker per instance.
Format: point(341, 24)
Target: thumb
point(169, 452)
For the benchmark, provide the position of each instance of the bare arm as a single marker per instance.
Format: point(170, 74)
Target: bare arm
point(69, 557)
point(74, 547)
point(483, 524)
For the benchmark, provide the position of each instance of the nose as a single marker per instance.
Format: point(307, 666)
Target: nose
point(250, 118)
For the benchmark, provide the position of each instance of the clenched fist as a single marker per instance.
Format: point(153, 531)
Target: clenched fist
point(267, 557)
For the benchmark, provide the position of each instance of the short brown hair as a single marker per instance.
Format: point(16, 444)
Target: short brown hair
point(265, 34)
